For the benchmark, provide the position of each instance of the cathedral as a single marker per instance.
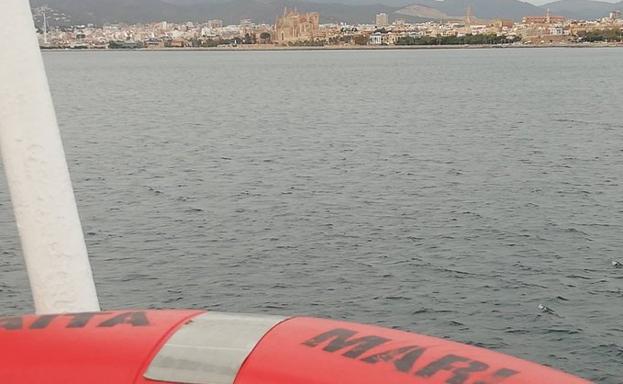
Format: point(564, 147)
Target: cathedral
point(293, 26)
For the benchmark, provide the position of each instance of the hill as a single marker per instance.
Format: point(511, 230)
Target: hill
point(582, 9)
point(485, 9)
point(231, 11)
point(265, 11)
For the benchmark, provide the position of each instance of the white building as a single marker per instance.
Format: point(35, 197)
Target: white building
point(214, 24)
point(382, 20)
point(376, 39)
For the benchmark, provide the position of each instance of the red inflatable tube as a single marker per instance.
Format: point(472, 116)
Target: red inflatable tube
point(93, 348)
point(195, 347)
point(315, 351)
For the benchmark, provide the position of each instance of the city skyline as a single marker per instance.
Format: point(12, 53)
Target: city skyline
point(295, 29)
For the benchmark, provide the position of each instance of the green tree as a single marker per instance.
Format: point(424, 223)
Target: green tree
point(360, 40)
point(265, 37)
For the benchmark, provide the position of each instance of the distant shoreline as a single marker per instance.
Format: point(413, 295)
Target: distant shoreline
point(337, 48)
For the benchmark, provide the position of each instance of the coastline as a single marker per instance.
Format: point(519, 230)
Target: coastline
point(264, 48)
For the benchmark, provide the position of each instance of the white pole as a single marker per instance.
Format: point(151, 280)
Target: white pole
point(36, 170)
point(45, 29)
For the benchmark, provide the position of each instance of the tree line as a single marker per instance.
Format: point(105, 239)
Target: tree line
point(457, 40)
point(611, 34)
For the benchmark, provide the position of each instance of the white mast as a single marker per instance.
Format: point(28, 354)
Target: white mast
point(45, 29)
point(36, 170)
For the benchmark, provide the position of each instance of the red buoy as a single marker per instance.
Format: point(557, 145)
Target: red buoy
point(196, 347)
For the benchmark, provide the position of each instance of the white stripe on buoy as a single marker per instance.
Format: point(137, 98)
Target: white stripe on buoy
point(34, 162)
point(210, 349)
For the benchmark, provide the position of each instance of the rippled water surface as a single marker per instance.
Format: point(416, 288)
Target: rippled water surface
point(444, 192)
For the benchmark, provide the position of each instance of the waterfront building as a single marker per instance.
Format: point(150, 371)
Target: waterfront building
point(503, 24)
point(215, 23)
point(246, 24)
point(547, 19)
point(376, 39)
point(294, 26)
point(382, 20)
point(400, 22)
point(382, 38)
